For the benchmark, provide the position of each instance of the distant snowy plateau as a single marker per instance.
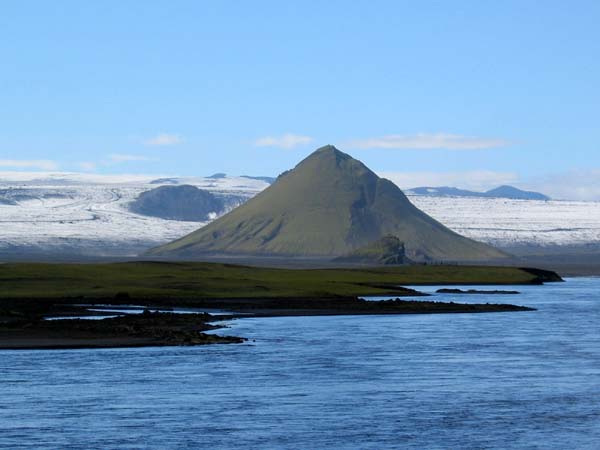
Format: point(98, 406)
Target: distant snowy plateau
point(80, 214)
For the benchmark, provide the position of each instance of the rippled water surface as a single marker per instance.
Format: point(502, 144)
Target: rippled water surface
point(502, 380)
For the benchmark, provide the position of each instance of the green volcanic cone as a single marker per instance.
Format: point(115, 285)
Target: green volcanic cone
point(329, 205)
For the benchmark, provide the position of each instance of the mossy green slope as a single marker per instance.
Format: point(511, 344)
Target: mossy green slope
point(329, 205)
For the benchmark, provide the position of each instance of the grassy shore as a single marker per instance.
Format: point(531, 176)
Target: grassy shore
point(163, 280)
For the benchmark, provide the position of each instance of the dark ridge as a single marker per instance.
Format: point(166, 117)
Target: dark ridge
point(183, 202)
point(509, 192)
point(475, 291)
point(165, 181)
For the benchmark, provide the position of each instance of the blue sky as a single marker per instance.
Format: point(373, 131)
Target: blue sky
point(470, 93)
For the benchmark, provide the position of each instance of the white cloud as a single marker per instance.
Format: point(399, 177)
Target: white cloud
point(571, 185)
point(121, 157)
point(477, 180)
point(88, 166)
point(41, 164)
point(164, 139)
point(285, 141)
point(424, 141)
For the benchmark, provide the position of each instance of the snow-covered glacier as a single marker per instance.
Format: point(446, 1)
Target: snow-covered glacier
point(87, 214)
point(517, 223)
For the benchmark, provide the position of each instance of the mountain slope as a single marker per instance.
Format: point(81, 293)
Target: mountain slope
point(329, 205)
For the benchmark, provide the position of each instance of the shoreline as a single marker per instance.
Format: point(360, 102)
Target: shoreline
point(68, 293)
point(152, 329)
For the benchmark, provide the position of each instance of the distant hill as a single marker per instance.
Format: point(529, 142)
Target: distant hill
point(183, 202)
point(217, 176)
point(515, 194)
point(499, 192)
point(387, 250)
point(329, 205)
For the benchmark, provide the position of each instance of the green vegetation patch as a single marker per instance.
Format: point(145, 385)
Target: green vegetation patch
point(163, 280)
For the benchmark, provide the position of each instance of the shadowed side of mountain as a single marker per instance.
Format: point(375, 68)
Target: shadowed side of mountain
point(389, 250)
point(329, 205)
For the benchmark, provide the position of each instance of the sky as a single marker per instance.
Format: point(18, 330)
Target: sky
point(465, 93)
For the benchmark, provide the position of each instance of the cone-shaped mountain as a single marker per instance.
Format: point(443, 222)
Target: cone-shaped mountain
point(329, 205)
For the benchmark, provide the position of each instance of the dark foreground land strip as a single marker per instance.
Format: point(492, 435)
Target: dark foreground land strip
point(135, 330)
point(168, 329)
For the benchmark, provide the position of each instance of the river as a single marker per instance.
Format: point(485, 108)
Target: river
point(456, 381)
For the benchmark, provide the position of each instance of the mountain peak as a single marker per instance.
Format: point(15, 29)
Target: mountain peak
point(328, 151)
point(328, 164)
point(327, 148)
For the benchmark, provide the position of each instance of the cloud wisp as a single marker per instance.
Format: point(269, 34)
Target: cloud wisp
point(286, 141)
point(582, 184)
point(87, 166)
point(112, 160)
point(40, 164)
point(122, 157)
point(164, 140)
point(425, 141)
